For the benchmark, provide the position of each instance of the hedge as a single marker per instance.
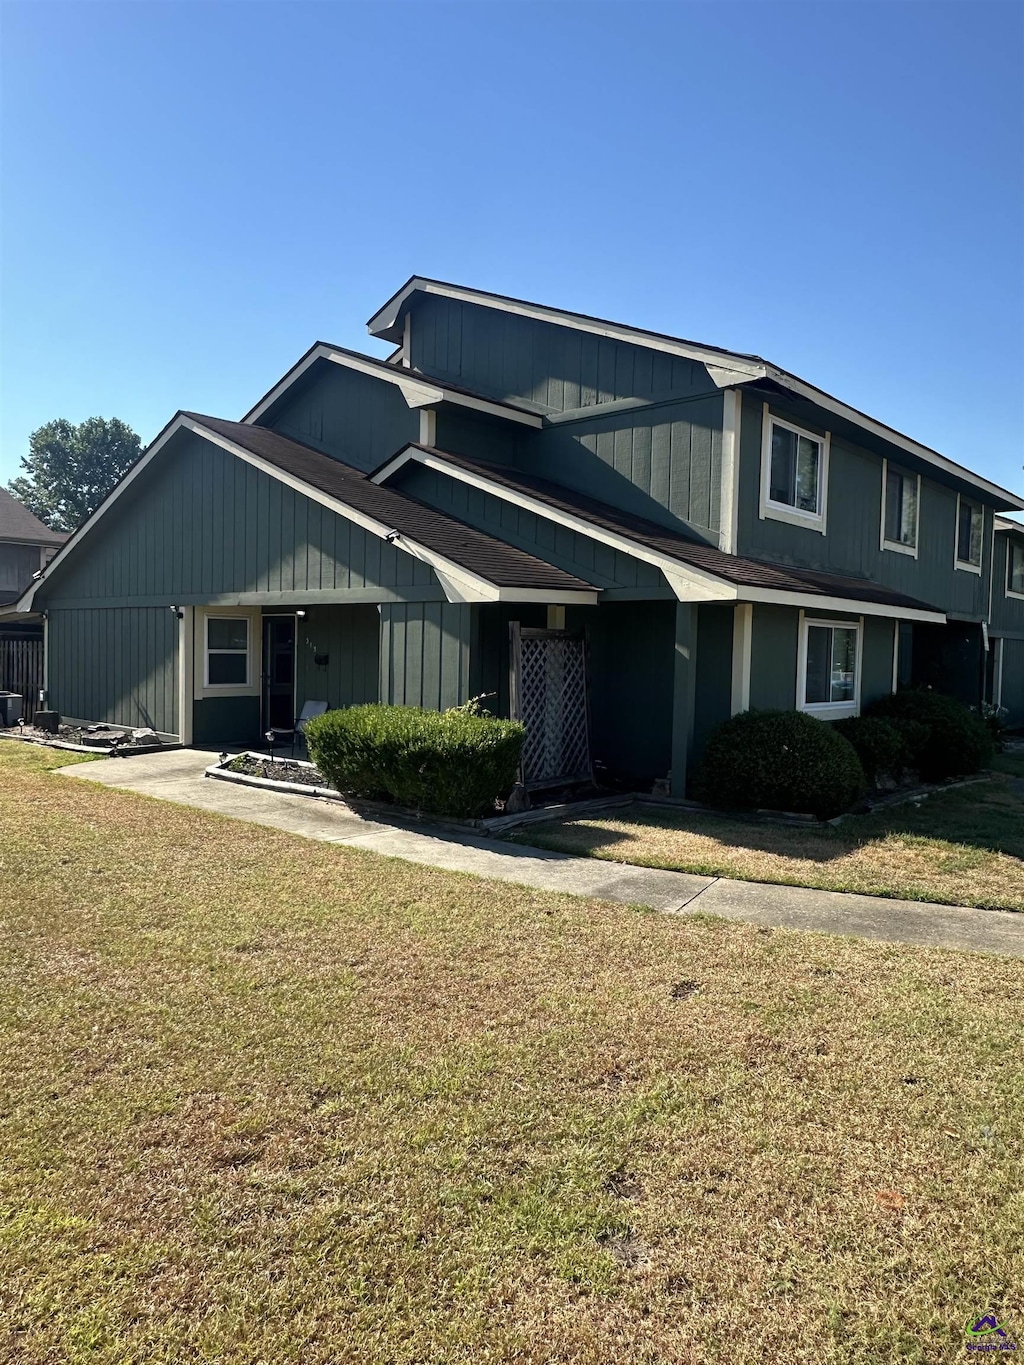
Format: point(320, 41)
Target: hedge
point(878, 743)
point(450, 763)
point(779, 760)
point(945, 738)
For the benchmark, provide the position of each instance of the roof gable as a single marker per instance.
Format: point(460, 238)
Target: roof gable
point(18, 523)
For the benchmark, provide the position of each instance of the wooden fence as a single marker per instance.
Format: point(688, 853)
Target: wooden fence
point(21, 670)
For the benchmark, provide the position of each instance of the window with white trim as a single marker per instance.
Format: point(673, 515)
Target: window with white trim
point(829, 681)
point(227, 651)
point(1014, 568)
point(970, 530)
point(900, 507)
point(794, 473)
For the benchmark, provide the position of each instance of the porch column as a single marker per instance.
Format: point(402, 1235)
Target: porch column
point(683, 693)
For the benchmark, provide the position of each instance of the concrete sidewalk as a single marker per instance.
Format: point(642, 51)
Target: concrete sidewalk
point(178, 776)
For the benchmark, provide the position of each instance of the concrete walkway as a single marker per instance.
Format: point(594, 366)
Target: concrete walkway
point(178, 776)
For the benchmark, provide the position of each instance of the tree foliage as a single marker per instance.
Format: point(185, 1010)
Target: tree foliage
point(70, 469)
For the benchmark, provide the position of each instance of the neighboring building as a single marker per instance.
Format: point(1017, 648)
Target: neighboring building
point(520, 498)
point(25, 547)
point(1005, 674)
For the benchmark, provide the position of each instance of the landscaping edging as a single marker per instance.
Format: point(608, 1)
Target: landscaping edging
point(129, 752)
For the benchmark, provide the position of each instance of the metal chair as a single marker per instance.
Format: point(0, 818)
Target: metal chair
point(309, 710)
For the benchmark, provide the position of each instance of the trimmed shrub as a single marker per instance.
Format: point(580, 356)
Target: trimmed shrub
point(958, 740)
point(779, 760)
point(444, 762)
point(878, 743)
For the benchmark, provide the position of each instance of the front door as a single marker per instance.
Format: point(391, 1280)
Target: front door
point(278, 672)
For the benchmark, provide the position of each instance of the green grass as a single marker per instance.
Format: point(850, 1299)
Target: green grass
point(961, 847)
point(269, 1100)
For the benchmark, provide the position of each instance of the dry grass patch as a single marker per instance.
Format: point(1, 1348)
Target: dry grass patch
point(962, 847)
point(271, 1100)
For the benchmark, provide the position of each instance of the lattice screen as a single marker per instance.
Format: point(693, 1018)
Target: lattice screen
point(550, 698)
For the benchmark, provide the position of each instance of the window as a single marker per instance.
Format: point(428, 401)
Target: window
point(900, 498)
point(1015, 568)
point(227, 651)
point(970, 525)
point(829, 668)
point(794, 474)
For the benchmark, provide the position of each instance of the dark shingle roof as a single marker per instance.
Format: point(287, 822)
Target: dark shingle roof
point(18, 523)
point(751, 573)
point(498, 563)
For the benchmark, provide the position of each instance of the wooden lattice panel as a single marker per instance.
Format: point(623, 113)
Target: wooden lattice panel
point(550, 691)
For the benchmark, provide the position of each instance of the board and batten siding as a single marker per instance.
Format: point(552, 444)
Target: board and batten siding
point(349, 638)
point(851, 544)
point(774, 652)
point(346, 414)
point(201, 524)
point(1007, 611)
point(566, 549)
point(1012, 693)
point(425, 654)
point(118, 665)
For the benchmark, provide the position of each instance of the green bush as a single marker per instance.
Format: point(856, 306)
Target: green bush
point(958, 741)
point(779, 760)
point(446, 763)
point(878, 743)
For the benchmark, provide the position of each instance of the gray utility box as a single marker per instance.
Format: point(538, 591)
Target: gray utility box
point(10, 707)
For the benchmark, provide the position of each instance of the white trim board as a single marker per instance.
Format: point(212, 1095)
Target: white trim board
point(417, 390)
point(724, 367)
point(459, 584)
point(687, 583)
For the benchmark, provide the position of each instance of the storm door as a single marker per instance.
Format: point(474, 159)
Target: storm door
point(548, 693)
point(278, 672)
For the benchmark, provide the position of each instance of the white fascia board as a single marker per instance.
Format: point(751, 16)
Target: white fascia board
point(688, 584)
point(417, 392)
point(382, 322)
point(814, 602)
point(24, 603)
point(725, 367)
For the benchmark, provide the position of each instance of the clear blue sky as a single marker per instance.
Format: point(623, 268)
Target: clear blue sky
point(195, 192)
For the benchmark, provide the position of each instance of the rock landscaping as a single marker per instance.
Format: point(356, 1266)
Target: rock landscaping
point(116, 741)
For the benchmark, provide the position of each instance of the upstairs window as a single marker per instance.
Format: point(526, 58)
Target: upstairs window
point(1015, 568)
point(227, 651)
point(829, 672)
point(901, 494)
point(794, 474)
point(970, 527)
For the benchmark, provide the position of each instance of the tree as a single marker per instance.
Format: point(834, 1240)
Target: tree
point(70, 469)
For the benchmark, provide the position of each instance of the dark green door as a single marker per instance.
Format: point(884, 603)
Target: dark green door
point(278, 672)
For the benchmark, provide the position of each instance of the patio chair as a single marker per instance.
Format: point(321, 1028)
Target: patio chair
point(309, 710)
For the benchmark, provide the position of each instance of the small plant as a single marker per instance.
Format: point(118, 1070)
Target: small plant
point(994, 718)
point(780, 760)
point(879, 746)
point(454, 763)
point(951, 739)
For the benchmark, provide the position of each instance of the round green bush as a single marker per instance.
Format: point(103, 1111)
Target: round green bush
point(453, 763)
point(957, 742)
point(779, 760)
point(878, 743)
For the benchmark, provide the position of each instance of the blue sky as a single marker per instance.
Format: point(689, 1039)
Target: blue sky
point(194, 192)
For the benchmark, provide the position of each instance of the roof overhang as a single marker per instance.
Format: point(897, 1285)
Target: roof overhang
point(459, 583)
point(688, 584)
point(417, 391)
point(726, 368)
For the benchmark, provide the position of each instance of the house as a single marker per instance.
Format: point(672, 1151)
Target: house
point(622, 536)
point(1004, 679)
point(25, 547)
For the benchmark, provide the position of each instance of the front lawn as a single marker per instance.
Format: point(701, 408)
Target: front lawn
point(270, 1100)
point(961, 847)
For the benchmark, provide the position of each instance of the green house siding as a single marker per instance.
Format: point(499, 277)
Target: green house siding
point(425, 654)
point(116, 665)
point(201, 524)
point(775, 634)
point(559, 369)
point(1013, 682)
point(713, 689)
point(231, 721)
point(852, 542)
point(877, 658)
point(569, 550)
point(349, 638)
point(347, 414)
point(1007, 612)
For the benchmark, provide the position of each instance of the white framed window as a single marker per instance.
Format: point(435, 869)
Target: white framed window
point(829, 667)
point(901, 503)
point(226, 653)
point(970, 533)
point(794, 473)
point(1014, 568)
